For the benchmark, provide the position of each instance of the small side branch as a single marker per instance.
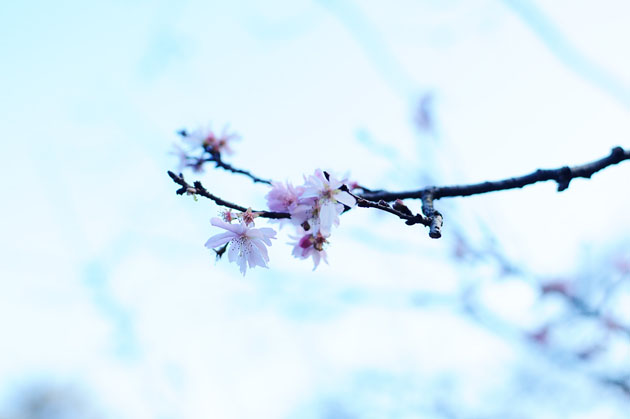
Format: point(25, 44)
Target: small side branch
point(621, 383)
point(198, 189)
point(212, 147)
point(216, 158)
point(399, 209)
point(435, 217)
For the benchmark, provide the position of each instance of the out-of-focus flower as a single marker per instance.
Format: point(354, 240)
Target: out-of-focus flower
point(310, 245)
point(613, 325)
point(182, 157)
point(330, 199)
point(424, 116)
point(210, 141)
point(540, 336)
point(283, 197)
point(228, 216)
point(246, 244)
point(557, 286)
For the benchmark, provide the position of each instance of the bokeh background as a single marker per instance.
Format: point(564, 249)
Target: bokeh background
point(110, 306)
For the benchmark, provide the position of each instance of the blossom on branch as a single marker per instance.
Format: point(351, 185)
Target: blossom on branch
point(310, 245)
point(315, 206)
point(228, 215)
point(330, 200)
point(306, 214)
point(246, 244)
point(283, 197)
point(207, 139)
point(248, 216)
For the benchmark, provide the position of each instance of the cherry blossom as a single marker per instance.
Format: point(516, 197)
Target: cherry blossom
point(310, 245)
point(228, 215)
point(210, 141)
point(306, 214)
point(330, 199)
point(246, 244)
point(284, 197)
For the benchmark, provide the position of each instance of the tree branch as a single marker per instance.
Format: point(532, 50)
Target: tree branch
point(562, 175)
point(432, 218)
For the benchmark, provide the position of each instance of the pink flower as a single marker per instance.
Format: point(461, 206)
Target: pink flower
point(207, 139)
point(306, 208)
point(329, 197)
point(248, 216)
point(283, 197)
point(228, 216)
point(246, 244)
point(311, 246)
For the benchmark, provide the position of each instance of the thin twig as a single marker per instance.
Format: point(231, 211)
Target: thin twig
point(216, 158)
point(409, 218)
point(199, 189)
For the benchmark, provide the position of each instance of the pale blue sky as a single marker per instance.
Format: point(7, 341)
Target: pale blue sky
point(105, 281)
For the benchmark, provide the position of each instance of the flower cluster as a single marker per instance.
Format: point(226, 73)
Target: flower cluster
point(314, 208)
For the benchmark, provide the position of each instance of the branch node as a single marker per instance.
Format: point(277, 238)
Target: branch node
point(400, 206)
point(434, 217)
point(199, 187)
point(617, 153)
point(564, 178)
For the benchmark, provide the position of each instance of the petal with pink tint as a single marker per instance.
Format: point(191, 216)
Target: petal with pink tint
point(345, 198)
point(219, 239)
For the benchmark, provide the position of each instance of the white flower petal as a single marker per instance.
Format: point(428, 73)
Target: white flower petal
point(297, 252)
point(311, 192)
point(263, 233)
point(266, 234)
point(261, 247)
point(301, 213)
point(237, 229)
point(256, 257)
point(242, 263)
point(324, 256)
point(316, 258)
point(233, 250)
point(334, 183)
point(219, 239)
point(345, 198)
point(327, 216)
point(247, 246)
